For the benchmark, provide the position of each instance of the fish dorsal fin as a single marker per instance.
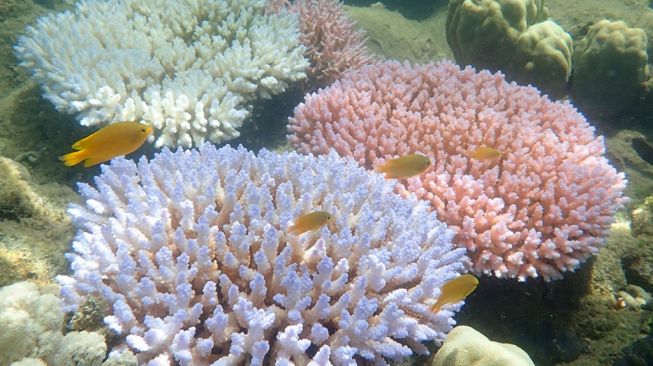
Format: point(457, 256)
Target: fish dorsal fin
point(85, 141)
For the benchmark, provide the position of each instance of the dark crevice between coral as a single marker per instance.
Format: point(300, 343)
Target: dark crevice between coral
point(12, 209)
point(640, 353)
point(534, 315)
point(643, 149)
point(267, 125)
point(631, 263)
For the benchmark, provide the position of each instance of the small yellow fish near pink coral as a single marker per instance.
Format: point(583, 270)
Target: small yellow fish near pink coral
point(485, 153)
point(309, 222)
point(405, 167)
point(455, 290)
point(120, 138)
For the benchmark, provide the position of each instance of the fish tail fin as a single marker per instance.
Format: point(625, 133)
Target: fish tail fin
point(386, 167)
point(387, 172)
point(436, 307)
point(294, 230)
point(74, 157)
point(383, 168)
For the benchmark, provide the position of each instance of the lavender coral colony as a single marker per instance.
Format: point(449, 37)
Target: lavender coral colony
point(541, 209)
point(192, 69)
point(192, 250)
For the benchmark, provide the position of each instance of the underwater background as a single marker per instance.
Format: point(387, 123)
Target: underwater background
point(601, 313)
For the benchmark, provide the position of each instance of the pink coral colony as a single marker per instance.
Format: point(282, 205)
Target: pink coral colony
point(333, 42)
point(540, 210)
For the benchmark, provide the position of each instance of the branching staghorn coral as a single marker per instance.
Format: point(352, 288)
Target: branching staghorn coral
point(192, 250)
point(191, 68)
point(542, 208)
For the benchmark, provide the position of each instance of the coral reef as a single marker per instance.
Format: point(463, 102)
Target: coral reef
point(601, 318)
point(639, 353)
point(632, 152)
point(633, 296)
point(642, 218)
point(192, 69)
point(576, 321)
point(484, 33)
point(333, 43)
point(610, 68)
point(191, 250)
point(638, 264)
point(610, 59)
point(31, 322)
point(466, 346)
point(34, 228)
point(540, 210)
point(542, 56)
point(511, 35)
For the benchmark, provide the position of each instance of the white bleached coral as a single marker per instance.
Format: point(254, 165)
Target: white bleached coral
point(191, 68)
point(31, 323)
point(192, 250)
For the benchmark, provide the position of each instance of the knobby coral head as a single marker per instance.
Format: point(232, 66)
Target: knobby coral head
point(194, 252)
point(541, 209)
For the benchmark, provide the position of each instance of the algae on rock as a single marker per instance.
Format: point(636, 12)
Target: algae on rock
point(35, 231)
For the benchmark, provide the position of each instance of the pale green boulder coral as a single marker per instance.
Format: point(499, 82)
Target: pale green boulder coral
point(483, 33)
point(542, 56)
point(610, 67)
point(465, 346)
point(513, 36)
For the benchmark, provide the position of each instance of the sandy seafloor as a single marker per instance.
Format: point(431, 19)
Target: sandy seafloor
point(574, 321)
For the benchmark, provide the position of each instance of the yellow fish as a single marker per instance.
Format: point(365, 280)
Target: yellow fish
point(485, 153)
point(405, 166)
point(455, 290)
point(309, 222)
point(120, 138)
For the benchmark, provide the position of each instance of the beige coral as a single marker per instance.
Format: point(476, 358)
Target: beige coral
point(465, 346)
point(610, 67)
point(31, 324)
point(511, 35)
point(542, 56)
point(483, 33)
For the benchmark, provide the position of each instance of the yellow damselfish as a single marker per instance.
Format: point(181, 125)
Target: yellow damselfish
point(485, 153)
point(405, 167)
point(455, 290)
point(120, 138)
point(310, 221)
